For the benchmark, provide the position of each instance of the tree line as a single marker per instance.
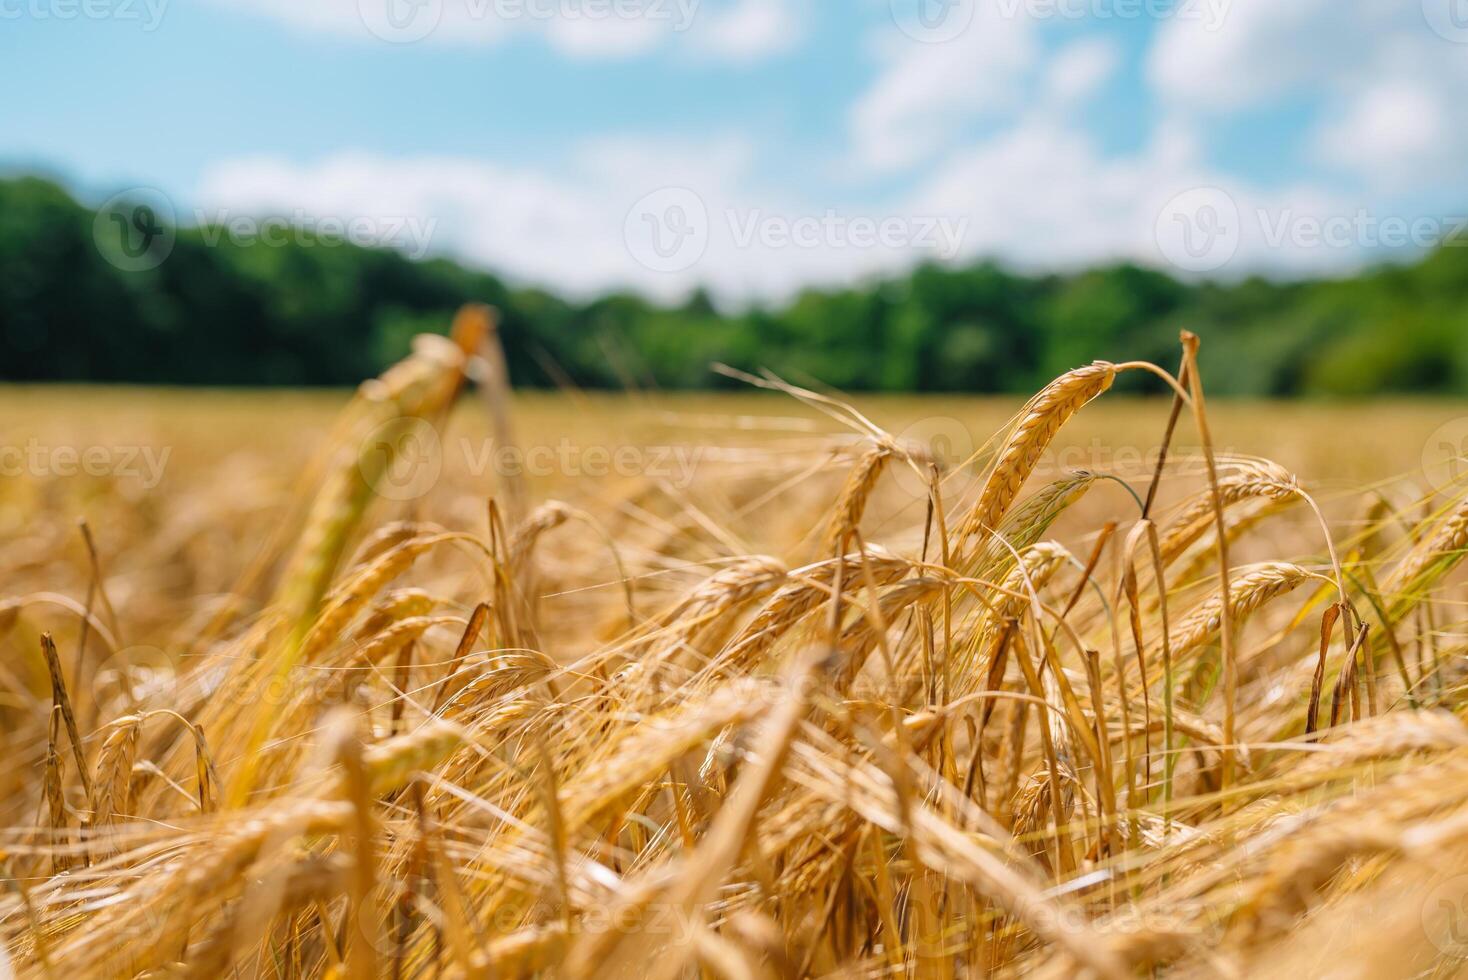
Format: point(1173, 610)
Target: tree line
point(221, 312)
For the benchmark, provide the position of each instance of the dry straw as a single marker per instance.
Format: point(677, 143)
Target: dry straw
point(901, 756)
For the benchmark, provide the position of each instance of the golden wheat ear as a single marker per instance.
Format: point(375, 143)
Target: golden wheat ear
point(1036, 428)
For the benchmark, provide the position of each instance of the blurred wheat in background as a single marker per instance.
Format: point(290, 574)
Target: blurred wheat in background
point(829, 706)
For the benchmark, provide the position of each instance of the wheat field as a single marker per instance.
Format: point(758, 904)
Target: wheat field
point(448, 680)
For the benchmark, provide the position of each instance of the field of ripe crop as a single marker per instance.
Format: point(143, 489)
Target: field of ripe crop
point(440, 679)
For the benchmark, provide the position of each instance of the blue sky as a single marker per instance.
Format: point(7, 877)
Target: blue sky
point(757, 146)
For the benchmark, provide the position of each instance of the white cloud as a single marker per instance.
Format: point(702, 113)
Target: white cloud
point(1042, 192)
point(923, 92)
point(582, 38)
point(750, 30)
point(926, 95)
point(1262, 49)
point(1384, 82)
point(440, 21)
point(578, 231)
point(1043, 196)
point(563, 230)
point(1039, 191)
point(1394, 132)
point(1082, 67)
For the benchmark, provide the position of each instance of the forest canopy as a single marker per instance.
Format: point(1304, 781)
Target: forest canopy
point(218, 312)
